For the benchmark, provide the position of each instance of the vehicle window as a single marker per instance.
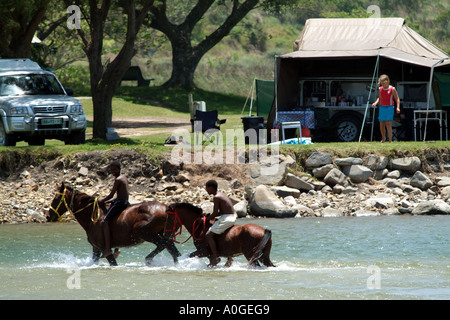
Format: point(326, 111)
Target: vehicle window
point(30, 84)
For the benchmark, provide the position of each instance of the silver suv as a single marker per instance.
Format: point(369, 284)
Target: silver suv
point(34, 106)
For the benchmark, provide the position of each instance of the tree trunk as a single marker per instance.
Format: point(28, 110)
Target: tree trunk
point(106, 78)
point(184, 64)
point(102, 103)
point(185, 57)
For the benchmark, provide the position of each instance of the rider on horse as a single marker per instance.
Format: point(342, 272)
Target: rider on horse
point(223, 207)
point(119, 204)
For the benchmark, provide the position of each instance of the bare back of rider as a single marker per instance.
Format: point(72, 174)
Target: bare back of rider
point(120, 203)
point(223, 208)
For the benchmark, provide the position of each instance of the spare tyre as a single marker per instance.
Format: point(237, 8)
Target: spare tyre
point(347, 128)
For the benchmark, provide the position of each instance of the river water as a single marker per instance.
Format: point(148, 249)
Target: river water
point(384, 257)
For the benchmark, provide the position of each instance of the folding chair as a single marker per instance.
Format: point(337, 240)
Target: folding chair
point(206, 120)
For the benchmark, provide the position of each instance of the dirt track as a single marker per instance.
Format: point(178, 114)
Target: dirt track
point(134, 127)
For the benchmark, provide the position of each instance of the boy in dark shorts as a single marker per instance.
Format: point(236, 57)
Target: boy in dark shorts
point(119, 204)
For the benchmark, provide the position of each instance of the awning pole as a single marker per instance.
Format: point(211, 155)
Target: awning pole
point(276, 89)
point(253, 94)
point(375, 71)
point(429, 96)
point(248, 96)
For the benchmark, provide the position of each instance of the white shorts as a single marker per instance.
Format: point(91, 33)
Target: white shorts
point(223, 223)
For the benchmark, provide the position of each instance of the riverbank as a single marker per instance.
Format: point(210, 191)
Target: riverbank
point(317, 185)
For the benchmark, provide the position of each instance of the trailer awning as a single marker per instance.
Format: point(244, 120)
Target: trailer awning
point(344, 38)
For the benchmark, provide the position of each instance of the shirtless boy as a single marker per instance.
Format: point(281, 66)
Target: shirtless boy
point(223, 207)
point(119, 204)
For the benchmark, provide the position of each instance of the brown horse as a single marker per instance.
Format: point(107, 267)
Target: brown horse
point(136, 224)
point(251, 240)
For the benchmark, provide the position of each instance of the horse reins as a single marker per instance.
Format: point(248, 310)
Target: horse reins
point(69, 207)
point(174, 229)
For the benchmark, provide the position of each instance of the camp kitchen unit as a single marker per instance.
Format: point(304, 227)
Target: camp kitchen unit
point(330, 81)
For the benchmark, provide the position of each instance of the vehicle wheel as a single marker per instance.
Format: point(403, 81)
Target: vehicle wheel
point(78, 137)
point(348, 128)
point(6, 139)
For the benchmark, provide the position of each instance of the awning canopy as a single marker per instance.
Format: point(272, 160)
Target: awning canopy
point(387, 37)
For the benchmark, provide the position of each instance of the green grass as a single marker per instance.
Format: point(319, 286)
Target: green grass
point(176, 100)
point(139, 102)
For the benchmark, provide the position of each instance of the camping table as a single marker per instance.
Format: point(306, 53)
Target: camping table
point(295, 119)
point(291, 125)
point(305, 116)
point(436, 115)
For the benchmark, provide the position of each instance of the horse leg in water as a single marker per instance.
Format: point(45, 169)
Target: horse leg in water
point(162, 244)
point(173, 250)
point(149, 258)
point(229, 262)
point(96, 255)
point(112, 261)
point(111, 258)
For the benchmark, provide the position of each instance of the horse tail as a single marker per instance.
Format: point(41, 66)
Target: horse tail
point(260, 248)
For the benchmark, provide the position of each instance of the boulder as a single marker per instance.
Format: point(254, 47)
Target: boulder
point(241, 208)
point(265, 203)
point(357, 173)
point(365, 213)
point(381, 201)
point(391, 212)
point(271, 170)
point(443, 181)
point(445, 192)
point(348, 161)
point(207, 207)
point(331, 212)
point(349, 190)
point(406, 164)
point(318, 159)
point(420, 181)
point(335, 176)
point(371, 162)
point(382, 163)
point(380, 174)
point(436, 206)
point(284, 191)
point(395, 174)
point(297, 183)
point(322, 171)
point(83, 171)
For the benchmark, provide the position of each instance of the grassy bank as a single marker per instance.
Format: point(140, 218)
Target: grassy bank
point(173, 104)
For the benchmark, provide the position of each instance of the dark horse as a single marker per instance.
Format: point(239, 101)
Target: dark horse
point(136, 224)
point(249, 239)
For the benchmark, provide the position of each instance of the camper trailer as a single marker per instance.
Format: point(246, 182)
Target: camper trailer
point(329, 82)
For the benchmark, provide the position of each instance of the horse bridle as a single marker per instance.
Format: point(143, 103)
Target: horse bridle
point(174, 231)
point(69, 206)
point(63, 201)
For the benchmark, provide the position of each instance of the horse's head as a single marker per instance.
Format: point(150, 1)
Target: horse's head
point(172, 221)
point(179, 214)
point(59, 204)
